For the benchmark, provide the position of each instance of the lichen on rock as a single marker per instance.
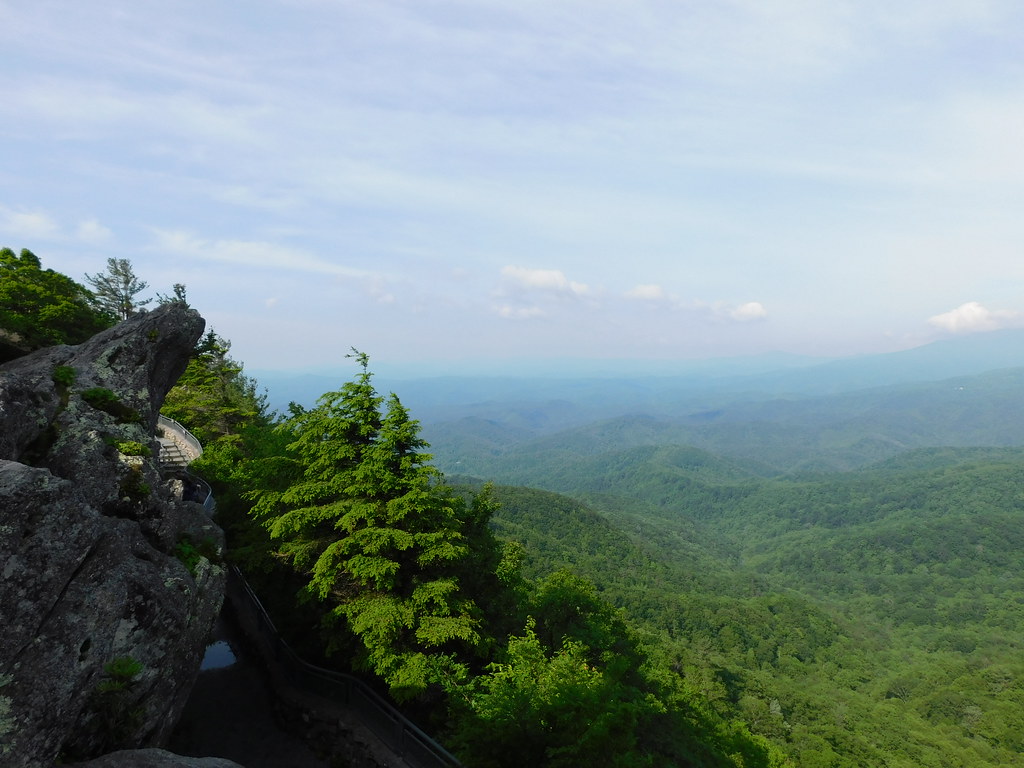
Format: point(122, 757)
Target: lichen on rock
point(87, 542)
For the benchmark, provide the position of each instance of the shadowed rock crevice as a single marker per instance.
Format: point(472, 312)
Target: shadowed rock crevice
point(91, 588)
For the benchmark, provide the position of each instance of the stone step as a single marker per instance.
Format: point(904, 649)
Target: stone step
point(171, 454)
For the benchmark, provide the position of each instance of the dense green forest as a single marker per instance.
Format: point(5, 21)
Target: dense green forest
point(826, 583)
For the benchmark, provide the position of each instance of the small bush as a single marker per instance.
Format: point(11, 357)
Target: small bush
point(190, 554)
point(119, 717)
point(120, 673)
point(103, 399)
point(132, 448)
point(64, 375)
point(100, 398)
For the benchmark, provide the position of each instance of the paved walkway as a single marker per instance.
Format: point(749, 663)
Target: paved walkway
point(229, 715)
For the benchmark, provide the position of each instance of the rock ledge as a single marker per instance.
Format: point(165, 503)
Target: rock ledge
point(103, 625)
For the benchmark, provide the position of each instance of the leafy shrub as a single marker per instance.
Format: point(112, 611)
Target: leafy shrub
point(132, 448)
point(100, 398)
point(190, 553)
point(103, 399)
point(119, 717)
point(120, 673)
point(64, 375)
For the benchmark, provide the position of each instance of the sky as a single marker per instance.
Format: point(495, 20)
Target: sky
point(453, 185)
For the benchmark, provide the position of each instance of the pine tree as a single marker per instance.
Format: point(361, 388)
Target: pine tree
point(378, 534)
point(114, 291)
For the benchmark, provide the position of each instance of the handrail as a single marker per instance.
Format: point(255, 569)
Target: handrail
point(209, 503)
point(187, 437)
point(403, 736)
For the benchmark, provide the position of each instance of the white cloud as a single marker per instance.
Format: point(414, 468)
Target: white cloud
point(547, 280)
point(647, 292)
point(657, 295)
point(272, 302)
point(91, 231)
point(973, 317)
point(30, 225)
point(378, 291)
point(752, 310)
point(518, 313)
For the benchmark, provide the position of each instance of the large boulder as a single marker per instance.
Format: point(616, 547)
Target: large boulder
point(110, 579)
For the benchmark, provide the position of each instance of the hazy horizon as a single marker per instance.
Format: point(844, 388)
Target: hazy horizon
point(498, 181)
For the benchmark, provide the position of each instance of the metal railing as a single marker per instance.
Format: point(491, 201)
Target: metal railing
point(399, 733)
point(181, 435)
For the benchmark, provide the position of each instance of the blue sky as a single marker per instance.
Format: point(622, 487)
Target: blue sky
point(456, 183)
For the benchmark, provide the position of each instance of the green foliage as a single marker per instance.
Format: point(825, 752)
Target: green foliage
point(542, 710)
point(380, 538)
point(103, 399)
point(132, 448)
point(115, 291)
point(134, 487)
point(40, 308)
point(191, 553)
point(119, 714)
point(100, 398)
point(64, 375)
point(178, 296)
point(120, 673)
point(214, 399)
point(853, 619)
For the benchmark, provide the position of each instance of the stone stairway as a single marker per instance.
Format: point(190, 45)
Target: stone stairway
point(171, 454)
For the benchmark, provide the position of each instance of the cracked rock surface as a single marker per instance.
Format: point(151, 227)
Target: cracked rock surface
point(103, 627)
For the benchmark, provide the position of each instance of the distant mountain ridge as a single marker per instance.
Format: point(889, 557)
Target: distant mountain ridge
point(801, 415)
point(774, 435)
point(446, 397)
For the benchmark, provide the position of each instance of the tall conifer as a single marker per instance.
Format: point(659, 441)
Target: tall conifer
point(378, 534)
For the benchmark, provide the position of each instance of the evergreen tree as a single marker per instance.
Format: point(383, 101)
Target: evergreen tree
point(178, 296)
point(114, 291)
point(378, 535)
point(213, 398)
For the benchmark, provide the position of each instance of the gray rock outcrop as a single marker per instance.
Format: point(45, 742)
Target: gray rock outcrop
point(103, 623)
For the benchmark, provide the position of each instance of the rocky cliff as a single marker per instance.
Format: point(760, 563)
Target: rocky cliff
point(110, 582)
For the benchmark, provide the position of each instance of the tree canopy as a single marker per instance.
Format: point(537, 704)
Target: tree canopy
point(40, 307)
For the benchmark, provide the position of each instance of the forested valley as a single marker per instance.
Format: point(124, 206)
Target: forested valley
point(823, 580)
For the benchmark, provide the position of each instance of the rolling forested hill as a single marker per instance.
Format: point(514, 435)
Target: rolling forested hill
point(845, 572)
point(863, 618)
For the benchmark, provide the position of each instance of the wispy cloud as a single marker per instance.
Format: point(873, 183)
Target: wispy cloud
point(254, 254)
point(91, 231)
point(28, 225)
point(655, 295)
point(647, 292)
point(518, 313)
point(552, 281)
